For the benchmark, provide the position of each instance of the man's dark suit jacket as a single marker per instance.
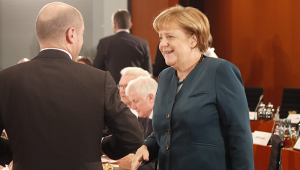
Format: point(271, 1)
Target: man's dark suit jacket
point(54, 111)
point(122, 50)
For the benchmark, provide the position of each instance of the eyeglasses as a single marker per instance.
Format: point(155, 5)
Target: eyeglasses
point(121, 86)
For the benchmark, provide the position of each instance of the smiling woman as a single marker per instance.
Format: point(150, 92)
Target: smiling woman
point(182, 40)
point(200, 109)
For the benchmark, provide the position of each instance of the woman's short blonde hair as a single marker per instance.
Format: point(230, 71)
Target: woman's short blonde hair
point(190, 19)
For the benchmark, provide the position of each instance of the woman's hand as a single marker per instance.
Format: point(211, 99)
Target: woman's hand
point(141, 154)
point(9, 167)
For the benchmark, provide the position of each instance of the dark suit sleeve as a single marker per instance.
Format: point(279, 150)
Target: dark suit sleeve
point(5, 152)
point(147, 65)
point(99, 61)
point(232, 103)
point(127, 132)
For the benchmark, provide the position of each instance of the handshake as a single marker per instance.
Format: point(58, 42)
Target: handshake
point(9, 167)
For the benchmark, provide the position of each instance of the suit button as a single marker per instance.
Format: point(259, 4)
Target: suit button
point(168, 131)
point(167, 147)
point(168, 115)
point(174, 102)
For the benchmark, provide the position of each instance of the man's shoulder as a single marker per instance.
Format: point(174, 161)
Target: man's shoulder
point(108, 38)
point(138, 38)
point(130, 36)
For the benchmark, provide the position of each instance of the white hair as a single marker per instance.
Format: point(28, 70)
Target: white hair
point(143, 86)
point(134, 71)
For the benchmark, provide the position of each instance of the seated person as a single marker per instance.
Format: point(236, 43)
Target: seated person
point(84, 60)
point(128, 74)
point(141, 92)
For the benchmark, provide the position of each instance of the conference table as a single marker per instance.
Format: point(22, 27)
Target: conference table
point(290, 158)
point(262, 125)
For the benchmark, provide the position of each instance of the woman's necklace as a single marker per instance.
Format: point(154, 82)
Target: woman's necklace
point(180, 82)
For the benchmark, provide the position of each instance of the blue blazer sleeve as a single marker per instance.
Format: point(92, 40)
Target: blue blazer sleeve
point(152, 146)
point(233, 107)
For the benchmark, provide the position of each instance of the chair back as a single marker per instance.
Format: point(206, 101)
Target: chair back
point(290, 101)
point(253, 94)
point(275, 158)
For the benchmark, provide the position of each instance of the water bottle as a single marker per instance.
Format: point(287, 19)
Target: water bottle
point(276, 115)
point(287, 134)
point(261, 111)
point(281, 128)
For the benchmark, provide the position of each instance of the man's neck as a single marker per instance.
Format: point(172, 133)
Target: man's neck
point(59, 50)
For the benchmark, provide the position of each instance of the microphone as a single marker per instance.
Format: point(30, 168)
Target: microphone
point(259, 101)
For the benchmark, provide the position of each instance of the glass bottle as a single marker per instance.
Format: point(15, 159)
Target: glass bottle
point(281, 128)
point(276, 127)
point(287, 133)
point(287, 138)
point(293, 137)
point(288, 125)
point(276, 115)
point(261, 112)
point(269, 112)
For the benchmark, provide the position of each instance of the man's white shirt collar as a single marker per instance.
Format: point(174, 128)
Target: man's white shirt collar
point(59, 50)
point(151, 115)
point(124, 30)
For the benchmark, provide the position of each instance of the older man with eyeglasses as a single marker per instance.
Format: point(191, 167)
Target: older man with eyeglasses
point(128, 74)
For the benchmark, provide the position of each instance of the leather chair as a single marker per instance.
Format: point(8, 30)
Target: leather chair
point(290, 101)
point(275, 158)
point(253, 94)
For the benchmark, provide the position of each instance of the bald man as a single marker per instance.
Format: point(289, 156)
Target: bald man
point(53, 113)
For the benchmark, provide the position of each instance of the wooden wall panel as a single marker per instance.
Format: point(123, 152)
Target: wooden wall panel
point(261, 38)
point(143, 14)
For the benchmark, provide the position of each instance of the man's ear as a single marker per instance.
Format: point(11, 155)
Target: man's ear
point(151, 97)
point(130, 26)
point(70, 35)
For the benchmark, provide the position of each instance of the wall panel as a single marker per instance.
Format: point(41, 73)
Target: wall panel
point(143, 14)
point(261, 38)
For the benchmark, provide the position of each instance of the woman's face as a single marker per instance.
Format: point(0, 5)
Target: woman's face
point(176, 45)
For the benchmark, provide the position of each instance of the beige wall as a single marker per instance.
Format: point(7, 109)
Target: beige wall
point(17, 26)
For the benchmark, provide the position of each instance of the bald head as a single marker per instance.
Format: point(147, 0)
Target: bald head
point(55, 19)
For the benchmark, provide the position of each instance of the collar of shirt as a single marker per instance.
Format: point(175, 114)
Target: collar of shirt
point(59, 50)
point(124, 30)
point(151, 115)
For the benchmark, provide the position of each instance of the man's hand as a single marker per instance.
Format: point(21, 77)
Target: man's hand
point(9, 167)
point(126, 161)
